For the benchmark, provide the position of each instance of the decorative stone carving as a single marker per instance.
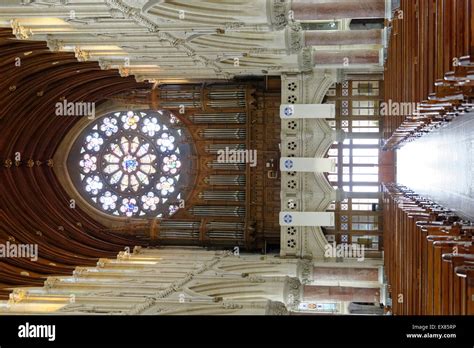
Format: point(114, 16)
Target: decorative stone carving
point(256, 279)
point(295, 39)
point(276, 308)
point(20, 31)
point(79, 271)
point(292, 291)
point(102, 262)
point(305, 59)
point(81, 55)
point(124, 71)
point(51, 282)
point(229, 305)
point(234, 25)
point(305, 271)
point(278, 13)
point(55, 45)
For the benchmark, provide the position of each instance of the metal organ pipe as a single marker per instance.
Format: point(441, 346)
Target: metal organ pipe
point(224, 133)
point(226, 166)
point(214, 148)
point(209, 210)
point(236, 196)
point(238, 118)
point(235, 180)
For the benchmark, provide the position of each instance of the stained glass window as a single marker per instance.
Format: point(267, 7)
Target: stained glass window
point(130, 163)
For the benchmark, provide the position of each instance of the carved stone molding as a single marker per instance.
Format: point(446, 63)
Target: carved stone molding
point(305, 271)
point(292, 291)
point(278, 11)
point(231, 305)
point(305, 59)
point(276, 308)
point(295, 41)
point(45, 2)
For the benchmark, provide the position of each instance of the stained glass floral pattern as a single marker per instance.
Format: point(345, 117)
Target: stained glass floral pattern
point(109, 126)
point(94, 141)
point(166, 142)
point(88, 163)
point(166, 185)
point(171, 164)
point(130, 163)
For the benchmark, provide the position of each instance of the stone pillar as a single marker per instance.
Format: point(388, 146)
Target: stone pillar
point(315, 293)
point(327, 10)
point(343, 37)
point(345, 274)
point(347, 58)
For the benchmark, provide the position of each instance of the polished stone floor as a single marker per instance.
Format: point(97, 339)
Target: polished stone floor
point(440, 166)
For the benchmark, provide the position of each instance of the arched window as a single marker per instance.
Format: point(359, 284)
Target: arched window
point(132, 163)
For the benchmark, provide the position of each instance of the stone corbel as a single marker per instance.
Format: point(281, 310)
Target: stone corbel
point(124, 71)
point(20, 32)
point(51, 282)
point(55, 45)
point(81, 55)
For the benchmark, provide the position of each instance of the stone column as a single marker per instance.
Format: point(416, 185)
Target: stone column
point(317, 293)
point(327, 10)
point(345, 274)
point(343, 37)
